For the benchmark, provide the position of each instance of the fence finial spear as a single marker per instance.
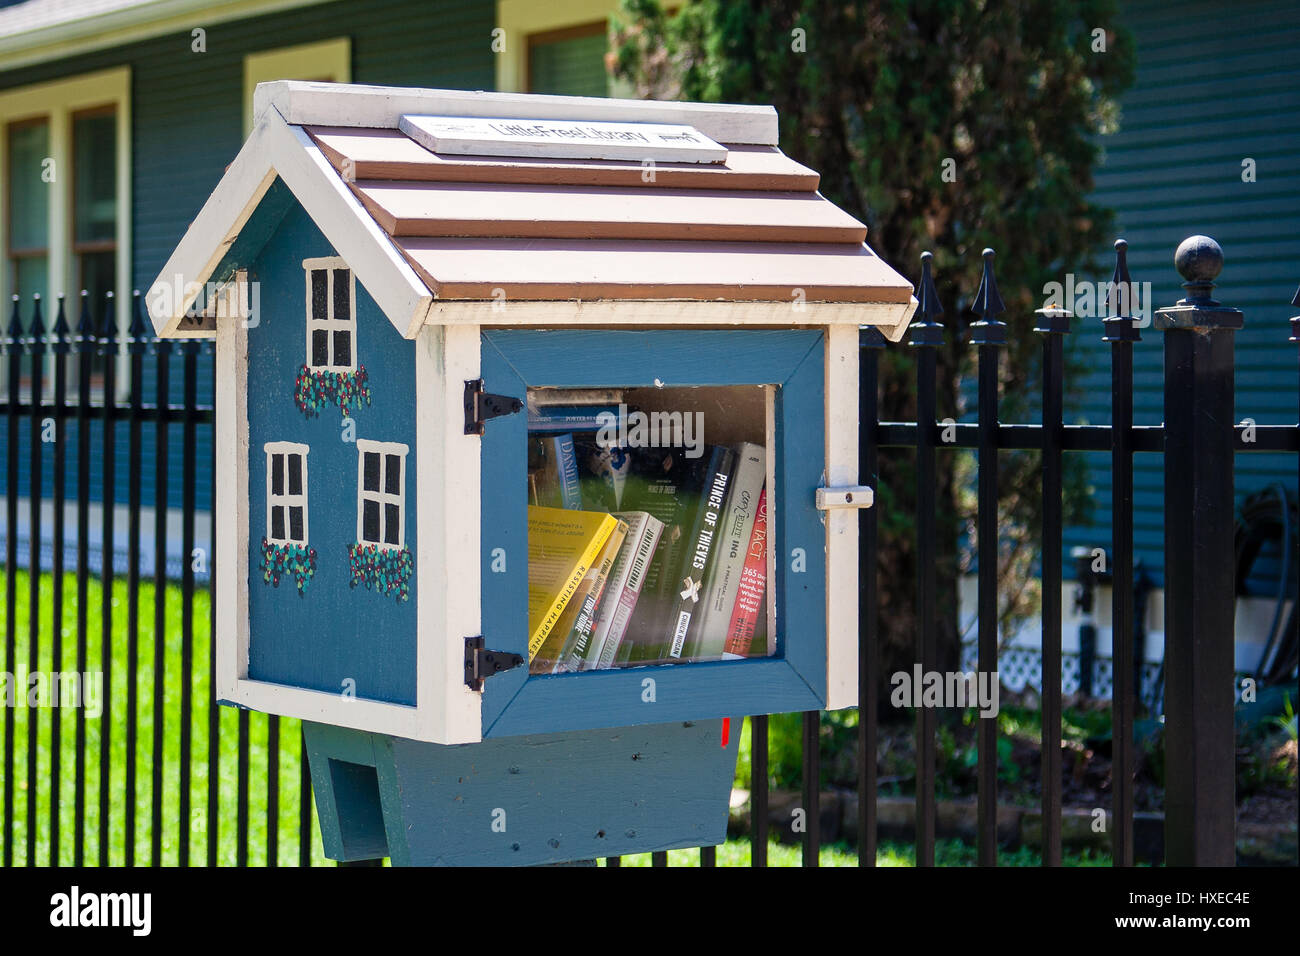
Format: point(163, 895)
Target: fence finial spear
point(14, 334)
point(1119, 323)
point(36, 332)
point(1121, 276)
point(60, 330)
point(138, 332)
point(85, 324)
point(108, 326)
point(989, 330)
point(925, 330)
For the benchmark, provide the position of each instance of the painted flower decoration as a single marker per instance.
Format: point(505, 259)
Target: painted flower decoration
point(313, 389)
point(386, 570)
point(296, 560)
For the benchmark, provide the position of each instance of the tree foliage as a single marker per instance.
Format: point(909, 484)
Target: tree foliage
point(877, 96)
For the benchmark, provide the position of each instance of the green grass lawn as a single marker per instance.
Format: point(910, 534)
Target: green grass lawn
point(947, 853)
point(732, 853)
point(114, 720)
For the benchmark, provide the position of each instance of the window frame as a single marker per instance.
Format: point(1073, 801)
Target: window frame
point(59, 102)
point(12, 253)
point(526, 22)
point(384, 449)
point(76, 247)
point(286, 499)
point(579, 31)
point(329, 265)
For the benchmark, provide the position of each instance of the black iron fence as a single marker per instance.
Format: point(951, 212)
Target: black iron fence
point(161, 741)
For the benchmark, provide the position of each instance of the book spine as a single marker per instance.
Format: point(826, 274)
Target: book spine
point(697, 560)
point(658, 572)
point(669, 488)
point(575, 647)
point(752, 587)
point(567, 460)
point(590, 554)
point(618, 576)
point(734, 529)
point(570, 418)
point(621, 612)
point(538, 639)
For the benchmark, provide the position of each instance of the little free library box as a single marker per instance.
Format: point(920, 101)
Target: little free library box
point(537, 456)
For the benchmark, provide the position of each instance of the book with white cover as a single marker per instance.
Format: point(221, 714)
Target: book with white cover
point(734, 532)
point(624, 588)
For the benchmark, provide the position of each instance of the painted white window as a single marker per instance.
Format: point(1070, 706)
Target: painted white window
point(65, 190)
point(381, 493)
point(286, 492)
point(331, 315)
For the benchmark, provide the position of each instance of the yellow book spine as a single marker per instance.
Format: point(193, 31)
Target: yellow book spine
point(590, 554)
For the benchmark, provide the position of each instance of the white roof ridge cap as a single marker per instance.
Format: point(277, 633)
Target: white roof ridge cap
point(309, 103)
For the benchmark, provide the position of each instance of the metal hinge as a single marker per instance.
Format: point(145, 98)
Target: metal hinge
point(480, 663)
point(481, 405)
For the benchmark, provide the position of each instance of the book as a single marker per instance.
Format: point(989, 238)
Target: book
point(562, 545)
point(569, 418)
point(735, 527)
point(626, 578)
point(602, 472)
point(553, 465)
point(566, 649)
point(698, 554)
point(549, 395)
point(668, 485)
point(749, 608)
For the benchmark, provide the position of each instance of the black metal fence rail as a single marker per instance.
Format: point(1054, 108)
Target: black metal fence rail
point(38, 363)
point(1197, 440)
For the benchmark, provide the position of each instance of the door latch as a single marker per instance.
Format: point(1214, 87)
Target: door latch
point(850, 496)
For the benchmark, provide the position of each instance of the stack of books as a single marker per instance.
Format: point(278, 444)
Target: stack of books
point(640, 556)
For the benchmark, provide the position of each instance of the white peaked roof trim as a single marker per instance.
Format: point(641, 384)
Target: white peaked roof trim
point(275, 148)
point(304, 103)
point(211, 234)
point(392, 283)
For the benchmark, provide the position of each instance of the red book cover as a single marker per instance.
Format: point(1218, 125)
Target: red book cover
point(753, 582)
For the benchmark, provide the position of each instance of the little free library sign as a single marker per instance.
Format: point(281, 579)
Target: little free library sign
point(562, 139)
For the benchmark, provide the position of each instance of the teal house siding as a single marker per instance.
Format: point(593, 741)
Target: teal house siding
point(187, 118)
point(1215, 85)
point(331, 632)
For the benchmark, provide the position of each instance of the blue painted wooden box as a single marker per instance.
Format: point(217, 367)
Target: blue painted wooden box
point(539, 798)
point(373, 526)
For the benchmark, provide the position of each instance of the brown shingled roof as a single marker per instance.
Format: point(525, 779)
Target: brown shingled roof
point(753, 228)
